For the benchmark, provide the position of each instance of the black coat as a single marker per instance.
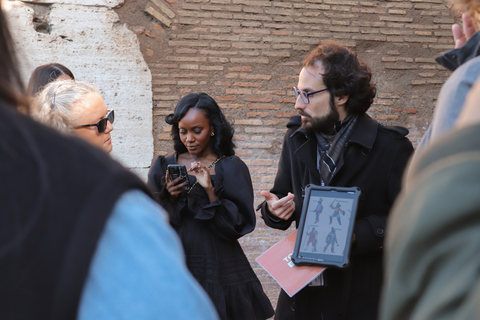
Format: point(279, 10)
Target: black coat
point(374, 160)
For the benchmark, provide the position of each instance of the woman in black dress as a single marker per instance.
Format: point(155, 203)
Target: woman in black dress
point(214, 210)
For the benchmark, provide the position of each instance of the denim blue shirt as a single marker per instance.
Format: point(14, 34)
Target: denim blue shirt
point(466, 63)
point(138, 270)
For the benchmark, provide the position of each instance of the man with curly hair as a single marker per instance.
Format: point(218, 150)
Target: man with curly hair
point(334, 142)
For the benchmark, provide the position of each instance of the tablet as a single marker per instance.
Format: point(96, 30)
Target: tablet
point(326, 226)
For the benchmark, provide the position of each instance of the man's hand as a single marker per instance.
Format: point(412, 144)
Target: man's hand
point(459, 36)
point(282, 208)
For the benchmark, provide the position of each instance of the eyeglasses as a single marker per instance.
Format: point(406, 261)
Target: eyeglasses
point(52, 102)
point(305, 95)
point(102, 123)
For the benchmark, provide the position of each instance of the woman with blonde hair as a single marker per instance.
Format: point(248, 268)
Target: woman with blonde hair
point(77, 108)
point(81, 238)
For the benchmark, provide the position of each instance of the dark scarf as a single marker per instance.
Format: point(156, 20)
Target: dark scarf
point(332, 147)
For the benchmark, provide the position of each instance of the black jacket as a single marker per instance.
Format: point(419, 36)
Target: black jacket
point(374, 160)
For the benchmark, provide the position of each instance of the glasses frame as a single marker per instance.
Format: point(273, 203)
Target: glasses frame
point(52, 102)
point(305, 95)
point(102, 123)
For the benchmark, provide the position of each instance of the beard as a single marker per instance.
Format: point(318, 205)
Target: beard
point(324, 124)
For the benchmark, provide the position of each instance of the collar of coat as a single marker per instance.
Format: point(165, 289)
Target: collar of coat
point(364, 133)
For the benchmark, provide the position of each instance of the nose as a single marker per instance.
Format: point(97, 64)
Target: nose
point(189, 137)
point(299, 104)
point(109, 127)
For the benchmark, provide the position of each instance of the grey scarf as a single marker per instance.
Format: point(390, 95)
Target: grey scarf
point(329, 158)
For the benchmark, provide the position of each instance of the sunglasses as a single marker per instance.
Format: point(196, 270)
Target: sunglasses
point(102, 123)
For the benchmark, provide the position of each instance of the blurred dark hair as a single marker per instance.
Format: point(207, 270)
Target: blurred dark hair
point(221, 142)
point(12, 91)
point(344, 75)
point(43, 75)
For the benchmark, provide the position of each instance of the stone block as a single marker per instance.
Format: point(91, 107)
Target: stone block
point(89, 40)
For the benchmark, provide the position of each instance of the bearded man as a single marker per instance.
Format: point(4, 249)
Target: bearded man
point(333, 142)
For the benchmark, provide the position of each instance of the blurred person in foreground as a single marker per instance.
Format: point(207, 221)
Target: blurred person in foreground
point(75, 107)
point(464, 61)
point(80, 237)
point(432, 256)
point(334, 142)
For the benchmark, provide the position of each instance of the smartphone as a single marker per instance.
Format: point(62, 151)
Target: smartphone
point(178, 170)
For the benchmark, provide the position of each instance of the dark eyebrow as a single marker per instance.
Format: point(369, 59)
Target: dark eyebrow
point(194, 127)
point(307, 89)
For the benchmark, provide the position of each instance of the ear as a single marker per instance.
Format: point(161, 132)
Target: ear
point(340, 101)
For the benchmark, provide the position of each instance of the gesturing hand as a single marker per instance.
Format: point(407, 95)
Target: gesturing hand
point(459, 36)
point(282, 208)
point(202, 174)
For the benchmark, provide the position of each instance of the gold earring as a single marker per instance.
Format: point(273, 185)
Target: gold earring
point(212, 134)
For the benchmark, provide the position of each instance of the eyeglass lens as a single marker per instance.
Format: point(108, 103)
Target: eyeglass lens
point(302, 95)
point(102, 124)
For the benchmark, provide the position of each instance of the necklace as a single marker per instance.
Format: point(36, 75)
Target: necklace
point(209, 167)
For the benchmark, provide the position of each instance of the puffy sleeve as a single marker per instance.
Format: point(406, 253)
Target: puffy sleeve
point(232, 215)
point(156, 176)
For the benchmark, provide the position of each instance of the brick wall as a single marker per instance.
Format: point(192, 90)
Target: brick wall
point(247, 55)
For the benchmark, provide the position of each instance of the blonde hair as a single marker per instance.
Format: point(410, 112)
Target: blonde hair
point(468, 6)
point(57, 105)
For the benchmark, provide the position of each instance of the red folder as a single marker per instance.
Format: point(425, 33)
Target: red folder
point(278, 263)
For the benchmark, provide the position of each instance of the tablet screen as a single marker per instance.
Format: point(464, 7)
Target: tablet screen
point(326, 226)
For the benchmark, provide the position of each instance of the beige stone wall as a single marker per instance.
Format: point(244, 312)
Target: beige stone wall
point(87, 37)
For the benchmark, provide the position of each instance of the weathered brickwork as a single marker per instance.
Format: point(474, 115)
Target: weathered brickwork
point(247, 55)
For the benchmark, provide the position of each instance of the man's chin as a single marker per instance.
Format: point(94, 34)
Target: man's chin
point(306, 124)
point(317, 128)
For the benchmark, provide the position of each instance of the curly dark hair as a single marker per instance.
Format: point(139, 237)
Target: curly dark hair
point(344, 74)
point(221, 142)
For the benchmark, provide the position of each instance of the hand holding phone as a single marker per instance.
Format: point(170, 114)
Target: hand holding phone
point(178, 171)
